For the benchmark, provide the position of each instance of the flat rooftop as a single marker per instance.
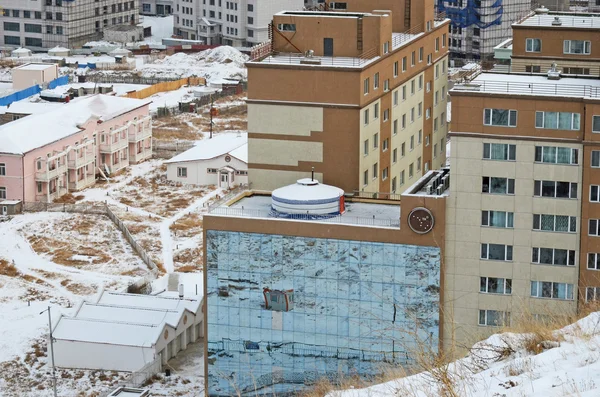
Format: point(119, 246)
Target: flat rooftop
point(363, 214)
point(36, 66)
point(567, 20)
point(526, 84)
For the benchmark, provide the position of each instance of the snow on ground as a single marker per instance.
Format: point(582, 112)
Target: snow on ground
point(218, 63)
point(170, 99)
point(502, 366)
point(162, 27)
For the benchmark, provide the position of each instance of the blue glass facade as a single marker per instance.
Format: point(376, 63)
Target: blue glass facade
point(357, 305)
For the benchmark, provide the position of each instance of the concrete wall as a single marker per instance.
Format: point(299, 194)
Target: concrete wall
point(24, 77)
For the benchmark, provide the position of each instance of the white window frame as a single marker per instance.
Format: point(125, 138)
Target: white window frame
point(529, 47)
point(181, 171)
point(489, 183)
point(568, 44)
point(508, 252)
point(2, 192)
point(595, 292)
point(506, 285)
point(575, 120)
point(595, 188)
point(596, 226)
point(539, 289)
point(541, 188)
point(571, 254)
point(593, 123)
point(509, 219)
point(2, 169)
point(571, 227)
point(505, 315)
point(595, 258)
point(488, 113)
point(573, 158)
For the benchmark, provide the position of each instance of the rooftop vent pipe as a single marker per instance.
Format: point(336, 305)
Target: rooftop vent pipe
point(556, 22)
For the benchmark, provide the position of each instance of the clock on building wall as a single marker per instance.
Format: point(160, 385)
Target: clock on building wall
point(227, 159)
point(420, 220)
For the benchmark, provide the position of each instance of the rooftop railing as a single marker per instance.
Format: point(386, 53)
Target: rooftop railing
point(542, 88)
point(292, 58)
point(339, 219)
point(570, 21)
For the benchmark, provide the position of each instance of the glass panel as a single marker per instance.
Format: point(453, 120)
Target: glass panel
point(539, 119)
point(486, 150)
point(576, 121)
point(551, 120)
point(534, 288)
point(482, 317)
point(562, 189)
point(498, 185)
point(508, 289)
point(547, 223)
point(500, 117)
point(546, 256)
point(495, 285)
point(496, 251)
point(562, 223)
point(484, 218)
point(482, 284)
point(596, 124)
point(559, 290)
point(549, 154)
point(498, 218)
point(591, 264)
point(535, 257)
point(538, 153)
point(563, 155)
point(484, 250)
point(546, 289)
point(595, 158)
point(593, 193)
point(560, 257)
point(565, 120)
point(548, 188)
point(589, 294)
point(510, 220)
point(499, 151)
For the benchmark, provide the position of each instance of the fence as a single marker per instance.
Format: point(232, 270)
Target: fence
point(115, 79)
point(166, 150)
point(139, 377)
point(198, 102)
point(525, 87)
point(27, 92)
point(231, 194)
point(100, 209)
point(376, 195)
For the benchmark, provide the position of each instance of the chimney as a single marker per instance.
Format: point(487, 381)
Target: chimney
point(180, 291)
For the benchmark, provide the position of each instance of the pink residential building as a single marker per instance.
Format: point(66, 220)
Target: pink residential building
point(43, 156)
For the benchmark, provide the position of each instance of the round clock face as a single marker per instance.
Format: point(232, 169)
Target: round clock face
point(420, 220)
point(227, 159)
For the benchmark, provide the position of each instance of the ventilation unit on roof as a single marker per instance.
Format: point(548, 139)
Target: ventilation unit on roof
point(556, 22)
point(554, 73)
point(541, 10)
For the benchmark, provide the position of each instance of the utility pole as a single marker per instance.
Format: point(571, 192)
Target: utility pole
point(211, 115)
point(52, 350)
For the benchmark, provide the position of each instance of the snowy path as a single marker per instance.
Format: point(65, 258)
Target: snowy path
point(165, 232)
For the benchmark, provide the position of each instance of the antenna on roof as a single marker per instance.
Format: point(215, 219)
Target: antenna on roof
point(312, 177)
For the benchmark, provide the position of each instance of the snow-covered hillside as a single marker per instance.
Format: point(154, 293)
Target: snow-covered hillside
point(505, 365)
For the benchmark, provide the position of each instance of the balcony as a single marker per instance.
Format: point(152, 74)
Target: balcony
point(110, 146)
point(123, 162)
point(87, 180)
point(87, 156)
point(45, 175)
point(140, 155)
point(50, 197)
point(141, 129)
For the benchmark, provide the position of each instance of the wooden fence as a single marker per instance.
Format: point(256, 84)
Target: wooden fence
point(165, 86)
point(100, 209)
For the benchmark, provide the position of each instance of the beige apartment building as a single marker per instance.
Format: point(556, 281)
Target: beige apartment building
point(563, 38)
point(357, 94)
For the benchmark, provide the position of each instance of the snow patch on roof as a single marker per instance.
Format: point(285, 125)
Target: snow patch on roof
point(217, 146)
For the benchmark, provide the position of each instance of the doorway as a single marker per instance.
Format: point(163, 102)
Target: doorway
point(224, 181)
point(328, 47)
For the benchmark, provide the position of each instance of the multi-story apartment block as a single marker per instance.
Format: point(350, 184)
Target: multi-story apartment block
point(358, 96)
point(522, 217)
point(43, 24)
point(65, 148)
point(566, 39)
point(238, 23)
point(479, 25)
point(156, 7)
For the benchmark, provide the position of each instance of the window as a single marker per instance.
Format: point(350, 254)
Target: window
point(420, 109)
point(594, 227)
point(59, 30)
point(497, 219)
point(555, 189)
point(403, 149)
point(366, 177)
point(182, 172)
point(500, 117)
point(552, 290)
point(427, 113)
point(413, 58)
point(499, 151)
point(444, 40)
point(59, 16)
point(533, 45)
point(420, 137)
point(595, 162)
point(596, 124)
point(366, 116)
point(428, 86)
point(493, 318)
point(402, 178)
point(404, 93)
point(250, 7)
point(38, 15)
point(49, 29)
point(386, 85)
point(533, 69)
point(557, 120)
point(386, 47)
point(386, 144)
point(493, 285)
point(420, 83)
point(496, 252)
point(395, 128)
point(429, 59)
point(592, 294)
point(2, 193)
point(437, 44)
point(594, 193)
point(366, 147)
point(12, 26)
point(421, 54)
point(39, 187)
point(419, 164)
point(497, 185)
point(30, 28)
point(427, 140)
point(554, 223)
point(553, 256)
point(412, 87)
point(32, 41)
point(556, 155)
point(48, 15)
point(436, 101)
point(394, 185)
point(593, 262)
point(410, 170)
point(396, 69)
point(286, 27)
point(404, 121)
point(375, 171)
point(366, 86)
point(395, 98)
point(577, 47)
point(15, 13)
point(386, 114)
point(394, 156)
point(26, 14)
point(376, 111)
point(376, 81)
point(412, 115)
point(2, 169)
point(376, 141)
point(412, 142)
point(212, 170)
point(437, 71)
point(404, 64)
point(384, 173)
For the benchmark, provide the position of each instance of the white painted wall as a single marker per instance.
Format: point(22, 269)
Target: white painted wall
point(197, 175)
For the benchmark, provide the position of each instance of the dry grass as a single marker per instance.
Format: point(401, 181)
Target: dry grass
point(191, 221)
point(69, 199)
point(191, 256)
point(231, 125)
point(188, 269)
point(62, 252)
point(171, 128)
point(7, 269)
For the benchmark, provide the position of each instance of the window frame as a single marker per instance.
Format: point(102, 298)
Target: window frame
point(571, 258)
point(540, 150)
point(491, 117)
point(538, 189)
point(571, 223)
point(532, 40)
point(509, 186)
point(484, 283)
point(487, 215)
point(540, 290)
point(508, 252)
point(510, 150)
point(543, 120)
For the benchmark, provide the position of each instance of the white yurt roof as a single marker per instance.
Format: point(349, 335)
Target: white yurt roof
point(58, 50)
point(306, 190)
point(120, 52)
point(21, 51)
